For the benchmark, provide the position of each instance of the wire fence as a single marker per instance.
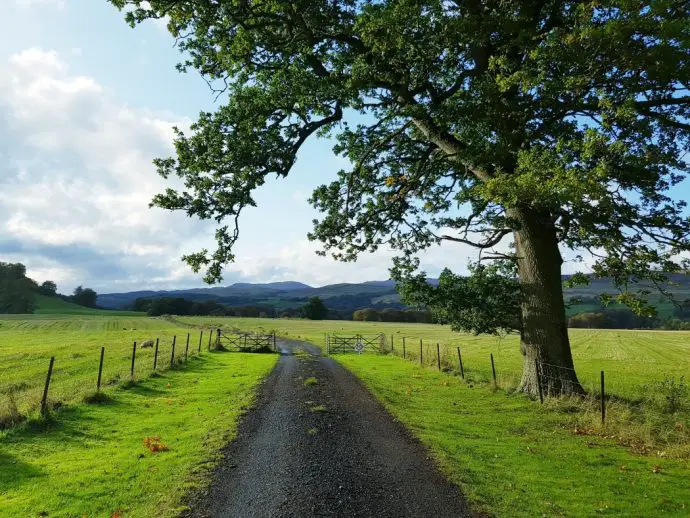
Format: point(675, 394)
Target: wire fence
point(83, 376)
point(656, 413)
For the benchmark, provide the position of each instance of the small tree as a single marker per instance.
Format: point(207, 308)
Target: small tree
point(84, 297)
point(16, 289)
point(48, 288)
point(315, 309)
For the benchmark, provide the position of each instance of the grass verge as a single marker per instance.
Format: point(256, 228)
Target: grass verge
point(95, 460)
point(514, 458)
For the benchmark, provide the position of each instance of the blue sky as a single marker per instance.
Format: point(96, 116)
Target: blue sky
point(86, 103)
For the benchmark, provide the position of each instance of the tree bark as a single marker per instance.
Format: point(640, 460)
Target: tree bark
point(544, 339)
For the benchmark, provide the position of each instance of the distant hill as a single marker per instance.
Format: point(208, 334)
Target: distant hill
point(278, 294)
point(349, 296)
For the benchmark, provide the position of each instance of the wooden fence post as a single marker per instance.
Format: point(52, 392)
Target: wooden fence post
point(100, 370)
point(404, 352)
point(603, 400)
point(134, 355)
point(172, 354)
point(421, 353)
point(186, 349)
point(155, 356)
point(392, 345)
point(201, 336)
point(536, 368)
point(462, 370)
point(44, 400)
point(218, 335)
point(275, 347)
point(328, 345)
point(493, 369)
point(210, 337)
point(438, 356)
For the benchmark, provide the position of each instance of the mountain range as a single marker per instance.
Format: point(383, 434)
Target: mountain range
point(277, 294)
point(344, 296)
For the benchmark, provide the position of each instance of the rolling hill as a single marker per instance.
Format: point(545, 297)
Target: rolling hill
point(351, 295)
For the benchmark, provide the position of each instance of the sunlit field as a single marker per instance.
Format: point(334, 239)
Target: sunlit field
point(629, 358)
point(27, 343)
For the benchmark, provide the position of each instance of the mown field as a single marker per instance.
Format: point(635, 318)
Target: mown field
point(630, 359)
point(515, 458)
point(26, 345)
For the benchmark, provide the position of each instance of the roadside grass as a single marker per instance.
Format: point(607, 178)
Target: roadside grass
point(513, 457)
point(27, 343)
point(92, 460)
point(310, 381)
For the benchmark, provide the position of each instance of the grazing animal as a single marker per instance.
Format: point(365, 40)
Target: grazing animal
point(147, 343)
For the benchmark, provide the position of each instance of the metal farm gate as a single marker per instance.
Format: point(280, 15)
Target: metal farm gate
point(354, 344)
point(248, 342)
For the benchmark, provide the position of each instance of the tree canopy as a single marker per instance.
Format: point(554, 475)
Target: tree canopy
point(314, 309)
point(551, 123)
point(16, 289)
point(84, 297)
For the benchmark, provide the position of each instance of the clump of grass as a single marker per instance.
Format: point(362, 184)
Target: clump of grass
point(312, 431)
point(318, 408)
point(668, 395)
point(97, 397)
point(310, 381)
point(9, 411)
point(128, 384)
point(657, 422)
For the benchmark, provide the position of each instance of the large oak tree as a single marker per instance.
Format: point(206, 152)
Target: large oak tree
point(550, 124)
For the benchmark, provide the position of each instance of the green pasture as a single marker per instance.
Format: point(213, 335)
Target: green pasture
point(506, 450)
point(513, 457)
point(27, 343)
point(91, 460)
point(630, 359)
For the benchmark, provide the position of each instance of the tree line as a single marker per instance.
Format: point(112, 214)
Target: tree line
point(625, 318)
point(17, 291)
point(314, 309)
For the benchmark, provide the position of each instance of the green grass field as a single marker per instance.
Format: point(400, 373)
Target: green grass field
point(514, 458)
point(630, 359)
point(507, 451)
point(92, 461)
point(27, 343)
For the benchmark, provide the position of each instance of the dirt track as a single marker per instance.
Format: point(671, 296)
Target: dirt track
point(293, 457)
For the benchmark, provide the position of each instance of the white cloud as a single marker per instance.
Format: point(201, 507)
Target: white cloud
point(76, 175)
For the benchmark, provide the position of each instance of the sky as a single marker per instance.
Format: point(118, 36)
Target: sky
point(86, 104)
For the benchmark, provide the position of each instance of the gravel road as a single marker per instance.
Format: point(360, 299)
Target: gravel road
point(328, 449)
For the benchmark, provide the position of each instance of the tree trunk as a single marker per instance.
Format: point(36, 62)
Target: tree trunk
point(544, 339)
